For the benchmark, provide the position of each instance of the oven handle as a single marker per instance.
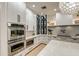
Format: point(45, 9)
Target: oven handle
point(11, 44)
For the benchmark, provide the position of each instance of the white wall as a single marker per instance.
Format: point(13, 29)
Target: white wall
point(0, 29)
point(3, 29)
point(62, 19)
point(14, 9)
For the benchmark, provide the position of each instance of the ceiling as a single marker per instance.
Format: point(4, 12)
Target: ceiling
point(50, 8)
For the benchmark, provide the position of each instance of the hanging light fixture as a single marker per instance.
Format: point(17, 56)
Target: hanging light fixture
point(69, 8)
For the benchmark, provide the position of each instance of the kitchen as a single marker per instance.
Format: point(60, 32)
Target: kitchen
point(32, 28)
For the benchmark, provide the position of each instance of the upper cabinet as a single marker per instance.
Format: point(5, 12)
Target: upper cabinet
point(62, 19)
point(30, 20)
point(41, 24)
point(16, 12)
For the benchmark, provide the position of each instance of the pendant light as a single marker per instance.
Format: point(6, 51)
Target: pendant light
point(69, 8)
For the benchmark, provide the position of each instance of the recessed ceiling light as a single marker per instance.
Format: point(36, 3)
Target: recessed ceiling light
point(33, 5)
point(55, 9)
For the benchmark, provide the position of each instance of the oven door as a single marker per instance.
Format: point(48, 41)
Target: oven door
point(15, 48)
point(12, 33)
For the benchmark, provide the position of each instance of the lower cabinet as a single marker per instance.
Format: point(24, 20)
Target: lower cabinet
point(42, 39)
point(75, 40)
point(37, 40)
point(45, 39)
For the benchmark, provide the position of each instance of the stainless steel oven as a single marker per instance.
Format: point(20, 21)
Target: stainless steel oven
point(15, 30)
point(16, 37)
point(15, 46)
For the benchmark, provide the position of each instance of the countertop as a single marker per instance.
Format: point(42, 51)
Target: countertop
point(32, 37)
point(60, 48)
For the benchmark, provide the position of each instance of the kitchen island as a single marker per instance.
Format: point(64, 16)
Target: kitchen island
point(60, 48)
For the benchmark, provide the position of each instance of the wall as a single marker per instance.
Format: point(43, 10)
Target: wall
point(62, 19)
point(31, 22)
point(3, 29)
point(0, 29)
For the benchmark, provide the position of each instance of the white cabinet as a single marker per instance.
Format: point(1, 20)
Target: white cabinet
point(37, 40)
point(62, 19)
point(15, 11)
point(30, 20)
point(45, 39)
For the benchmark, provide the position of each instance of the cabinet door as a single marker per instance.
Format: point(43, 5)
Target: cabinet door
point(41, 24)
point(44, 39)
point(36, 40)
point(45, 24)
point(16, 13)
point(38, 24)
point(12, 12)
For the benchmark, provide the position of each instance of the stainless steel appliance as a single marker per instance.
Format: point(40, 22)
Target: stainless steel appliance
point(15, 31)
point(16, 38)
point(15, 46)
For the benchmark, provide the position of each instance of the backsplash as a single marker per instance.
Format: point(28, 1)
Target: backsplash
point(29, 33)
point(66, 30)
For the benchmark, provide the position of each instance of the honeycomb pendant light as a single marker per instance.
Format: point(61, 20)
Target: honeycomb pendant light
point(70, 8)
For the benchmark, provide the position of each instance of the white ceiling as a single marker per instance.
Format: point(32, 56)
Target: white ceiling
point(50, 7)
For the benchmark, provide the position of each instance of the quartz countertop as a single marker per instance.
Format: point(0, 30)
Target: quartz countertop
point(60, 48)
point(32, 37)
point(75, 36)
point(38, 35)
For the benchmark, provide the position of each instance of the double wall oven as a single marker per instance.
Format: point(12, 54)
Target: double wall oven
point(16, 38)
